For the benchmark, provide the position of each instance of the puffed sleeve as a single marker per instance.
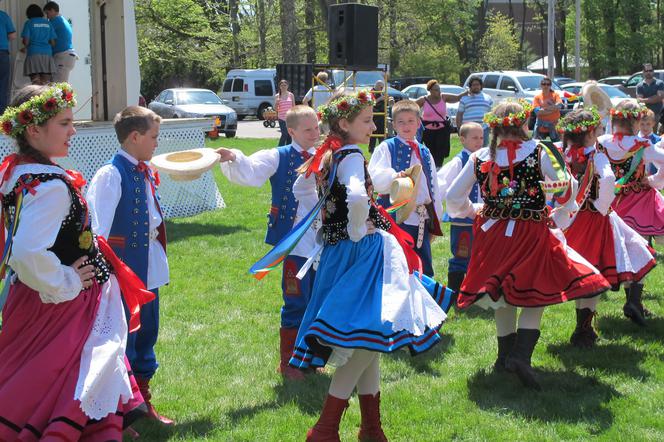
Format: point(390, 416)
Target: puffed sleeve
point(607, 182)
point(380, 169)
point(562, 216)
point(253, 170)
point(350, 172)
point(37, 267)
point(458, 201)
point(655, 155)
point(305, 192)
point(103, 197)
point(446, 175)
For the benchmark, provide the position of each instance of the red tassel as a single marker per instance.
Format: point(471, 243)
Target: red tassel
point(405, 241)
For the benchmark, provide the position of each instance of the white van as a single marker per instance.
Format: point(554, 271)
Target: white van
point(249, 91)
point(501, 85)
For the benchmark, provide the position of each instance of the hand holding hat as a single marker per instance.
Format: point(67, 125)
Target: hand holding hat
point(403, 192)
point(187, 165)
point(225, 155)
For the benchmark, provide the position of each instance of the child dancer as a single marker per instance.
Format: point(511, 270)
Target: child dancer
point(599, 234)
point(516, 259)
point(637, 202)
point(461, 229)
point(279, 166)
point(388, 162)
point(647, 125)
point(365, 298)
point(125, 208)
point(63, 373)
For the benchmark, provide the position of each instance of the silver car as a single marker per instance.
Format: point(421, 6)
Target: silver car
point(195, 103)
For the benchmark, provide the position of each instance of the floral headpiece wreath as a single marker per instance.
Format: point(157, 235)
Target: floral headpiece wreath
point(629, 114)
point(38, 109)
point(578, 127)
point(345, 106)
point(516, 119)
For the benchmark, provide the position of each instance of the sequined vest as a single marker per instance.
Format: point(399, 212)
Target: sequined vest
point(522, 198)
point(335, 210)
point(578, 170)
point(75, 238)
point(621, 168)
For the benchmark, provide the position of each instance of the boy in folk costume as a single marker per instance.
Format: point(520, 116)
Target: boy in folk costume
point(279, 166)
point(125, 209)
point(461, 229)
point(637, 201)
point(596, 232)
point(389, 161)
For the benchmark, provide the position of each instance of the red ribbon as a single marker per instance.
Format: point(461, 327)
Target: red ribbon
point(132, 288)
point(142, 167)
point(578, 155)
point(405, 241)
point(76, 179)
point(511, 146)
point(8, 165)
point(491, 168)
point(331, 143)
point(415, 148)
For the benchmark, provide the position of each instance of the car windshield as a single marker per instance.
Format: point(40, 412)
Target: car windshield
point(197, 97)
point(451, 89)
point(614, 92)
point(532, 83)
point(363, 78)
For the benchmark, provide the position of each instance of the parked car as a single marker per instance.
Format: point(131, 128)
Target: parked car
point(563, 80)
point(632, 81)
point(615, 94)
point(195, 103)
point(618, 80)
point(416, 91)
point(501, 85)
point(363, 79)
point(249, 91)
point(403, 82)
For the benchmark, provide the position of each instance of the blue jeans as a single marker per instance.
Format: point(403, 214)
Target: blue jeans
point(140, 344)
point(4, 80)
point(552, 134)
point(285, 137)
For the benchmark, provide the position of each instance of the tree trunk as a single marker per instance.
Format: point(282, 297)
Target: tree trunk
point(262, 31)
point(560, 48)
point(523, 62)
point(394, 44)
point(235, 32)
point(290, 46)
point(310, 33)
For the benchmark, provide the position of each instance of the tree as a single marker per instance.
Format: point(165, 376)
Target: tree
point(499, 47)
point(290, 46)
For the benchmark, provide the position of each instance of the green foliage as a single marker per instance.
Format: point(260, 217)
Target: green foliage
point(499, 47)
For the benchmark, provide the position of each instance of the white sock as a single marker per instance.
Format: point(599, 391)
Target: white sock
point(590, 303)
point(505, 320)
point(345, 377)
point(531, 318)
point(369, 381)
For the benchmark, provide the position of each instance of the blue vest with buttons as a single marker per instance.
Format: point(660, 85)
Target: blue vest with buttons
point(400, 155)
point(284, 205)
point(464, 155)
point(129, 236)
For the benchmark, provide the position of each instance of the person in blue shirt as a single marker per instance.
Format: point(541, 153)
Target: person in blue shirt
point(64, 55)
point(38, 38)
point(7, 33)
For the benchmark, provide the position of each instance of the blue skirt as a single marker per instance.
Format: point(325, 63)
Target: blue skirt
point(363, 297)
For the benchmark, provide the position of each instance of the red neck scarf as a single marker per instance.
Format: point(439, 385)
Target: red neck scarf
point(492, 168)
point(331, 143)
point(577, 154)
point(415, 148)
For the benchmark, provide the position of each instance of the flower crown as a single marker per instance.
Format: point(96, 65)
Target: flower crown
point(38, 109)
point(516, 119)
point(629, 114)
point(576, 127)
point(345, 106)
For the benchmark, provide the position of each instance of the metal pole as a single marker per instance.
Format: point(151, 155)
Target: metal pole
point(551, 36)
point(577, 43)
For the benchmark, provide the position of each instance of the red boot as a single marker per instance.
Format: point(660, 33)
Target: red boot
point(327, 427)
point(144, 386)
point(287, 338)
point(370, 429)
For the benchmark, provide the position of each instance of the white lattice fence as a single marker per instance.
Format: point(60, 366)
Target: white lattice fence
point(95, 144)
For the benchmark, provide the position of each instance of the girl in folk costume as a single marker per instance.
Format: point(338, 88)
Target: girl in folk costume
point(62, 367)
point(365, 299)
point(517, 259)
point(598, 233)
point(637, 200)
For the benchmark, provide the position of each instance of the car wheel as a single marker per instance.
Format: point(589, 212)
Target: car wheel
point(175, 116)
point(261, 109)
point(230, 134)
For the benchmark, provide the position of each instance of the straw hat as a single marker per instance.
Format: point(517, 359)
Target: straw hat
point(186, 165)
point(405, 189)
point(593, 95)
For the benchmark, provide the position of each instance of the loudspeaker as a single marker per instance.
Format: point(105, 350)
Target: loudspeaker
point(352, 29)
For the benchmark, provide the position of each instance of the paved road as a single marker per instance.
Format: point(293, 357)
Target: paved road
point(255, 129)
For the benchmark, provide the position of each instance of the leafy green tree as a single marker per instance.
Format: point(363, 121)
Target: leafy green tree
point(499, 47)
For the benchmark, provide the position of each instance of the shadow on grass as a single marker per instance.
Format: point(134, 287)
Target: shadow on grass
point(183, 231)
point(425, 363)
point(475, 312)
point(308, 395)
point(565, 397)
point(617, 358)
point(617, 327)
point(150, 430)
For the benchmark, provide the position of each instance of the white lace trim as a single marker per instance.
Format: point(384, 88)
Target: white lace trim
point(102, 378)
point(631, 249)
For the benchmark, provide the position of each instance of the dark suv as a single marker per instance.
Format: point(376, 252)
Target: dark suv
point(629, 86)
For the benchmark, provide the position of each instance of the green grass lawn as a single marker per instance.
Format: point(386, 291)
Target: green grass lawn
point(218, 351)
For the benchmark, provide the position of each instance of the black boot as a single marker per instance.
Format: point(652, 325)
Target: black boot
point(584, 335)
point(518, 360)
point(633, 308)
point(454, 280)
point(505, 346)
